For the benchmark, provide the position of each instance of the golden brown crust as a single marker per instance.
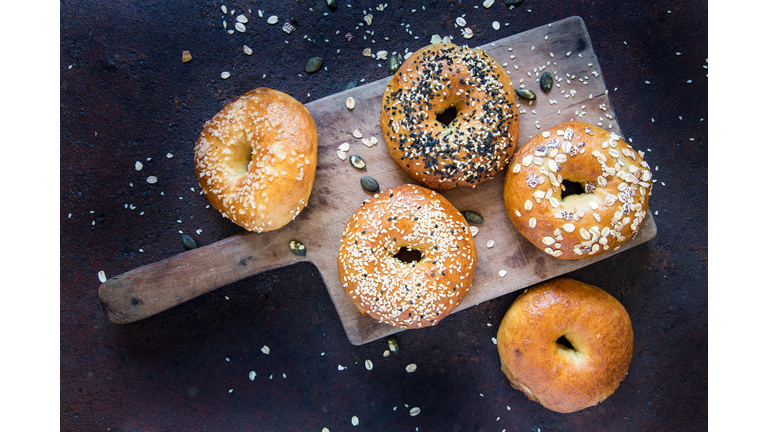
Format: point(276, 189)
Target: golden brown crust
point(255, 160)
point(481, 139)
point(401, 293)
point(564, 380)
point(616, 182)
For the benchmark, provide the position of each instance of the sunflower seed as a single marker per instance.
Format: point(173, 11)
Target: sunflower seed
point(357, 162)
point(525, 93)
point(188, 242)
point(314, 64)
point(369, 184)
point(472, 217)
point(546, 81)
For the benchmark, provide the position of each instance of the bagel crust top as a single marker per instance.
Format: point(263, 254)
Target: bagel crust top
point(477, 143)
point(407, 294)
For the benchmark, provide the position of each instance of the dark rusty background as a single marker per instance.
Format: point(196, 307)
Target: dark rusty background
point(126, 97)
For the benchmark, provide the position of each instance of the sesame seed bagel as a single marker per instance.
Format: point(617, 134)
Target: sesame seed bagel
point(477, 143)
point(538, 362)
point(614, 181)
point(375, 272)
point(255, 160)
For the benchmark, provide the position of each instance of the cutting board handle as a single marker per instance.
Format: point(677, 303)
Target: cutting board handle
point(148, 290)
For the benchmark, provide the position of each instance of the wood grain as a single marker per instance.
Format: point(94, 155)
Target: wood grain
point(563, 48)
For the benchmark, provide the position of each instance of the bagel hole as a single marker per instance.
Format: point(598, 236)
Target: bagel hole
point(408, 256)
point(565, 343)
point(447, 116)
point(572, 188)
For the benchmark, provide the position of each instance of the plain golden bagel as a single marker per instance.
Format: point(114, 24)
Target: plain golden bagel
point(613, 185)
point(255, 160)
point(474, 145)
point(407, 257)
point(565, 344)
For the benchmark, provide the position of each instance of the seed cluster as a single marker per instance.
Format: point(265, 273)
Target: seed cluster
point(477, 143)
point(401, 293)
point(616, 182)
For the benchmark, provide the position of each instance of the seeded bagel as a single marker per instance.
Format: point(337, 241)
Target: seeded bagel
point(614, 181)
point(255, 160)
point(477, 143)
point(407, 257)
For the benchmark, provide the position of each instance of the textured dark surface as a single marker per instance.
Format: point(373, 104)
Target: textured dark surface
point(126, 97)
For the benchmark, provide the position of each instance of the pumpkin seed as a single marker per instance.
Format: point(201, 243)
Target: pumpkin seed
point(525, 93)
point(314, 64)
point(513, 2)
point(394, 62)
point(297, 248)
point(357, 162)
point(545, 82)
point(188, 242)
point(350, 85)
point(472, 217)
point(394, 348)
point(369, 184)
point(331, 4)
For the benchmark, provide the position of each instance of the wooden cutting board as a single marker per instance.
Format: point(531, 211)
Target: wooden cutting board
point(563, 48)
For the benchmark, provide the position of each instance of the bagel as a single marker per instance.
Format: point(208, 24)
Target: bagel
point(255, 160)
point(477, 143)
point(376, 272)
point(559, 377)
point(614, 181)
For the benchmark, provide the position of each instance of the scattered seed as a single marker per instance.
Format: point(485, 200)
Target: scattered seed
point(488, 3)
point(288, 28)
point(467, 33)
point(525, 93)
point(344, 146)
point(415, 411)
point(225, 75)
point(272, 20)
point(461, 22)
point(350, 85)
point(265, 349)
point(394, 347)
point(411, 368)
point(331, 4)
point(546, 81)
point(513, 2)
point(139, 166)
point(314, 64)
point(151, 179)
point(502, 273)
point(489, 244)
point(342, 155)
point(357, 134)
point(472, 217)
point(186, 56)
point(102, 276)
point(240, 27)
point(368, 364)
point(367, 52)
point(394, 62)
point(435, 39)
point(496, 25)
point(188, 242)
point(350, 103)
point(368, 19)
point(247, 50)
point(297, 248)
point(369, 184)
point(357, 162)
point(474, 230)
point(355, 421)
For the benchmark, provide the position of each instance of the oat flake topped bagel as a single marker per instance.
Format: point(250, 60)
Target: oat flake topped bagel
point(255, 160)
point(565, 344)
point(379, 276)
point(477, 143)
point(614, 181)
